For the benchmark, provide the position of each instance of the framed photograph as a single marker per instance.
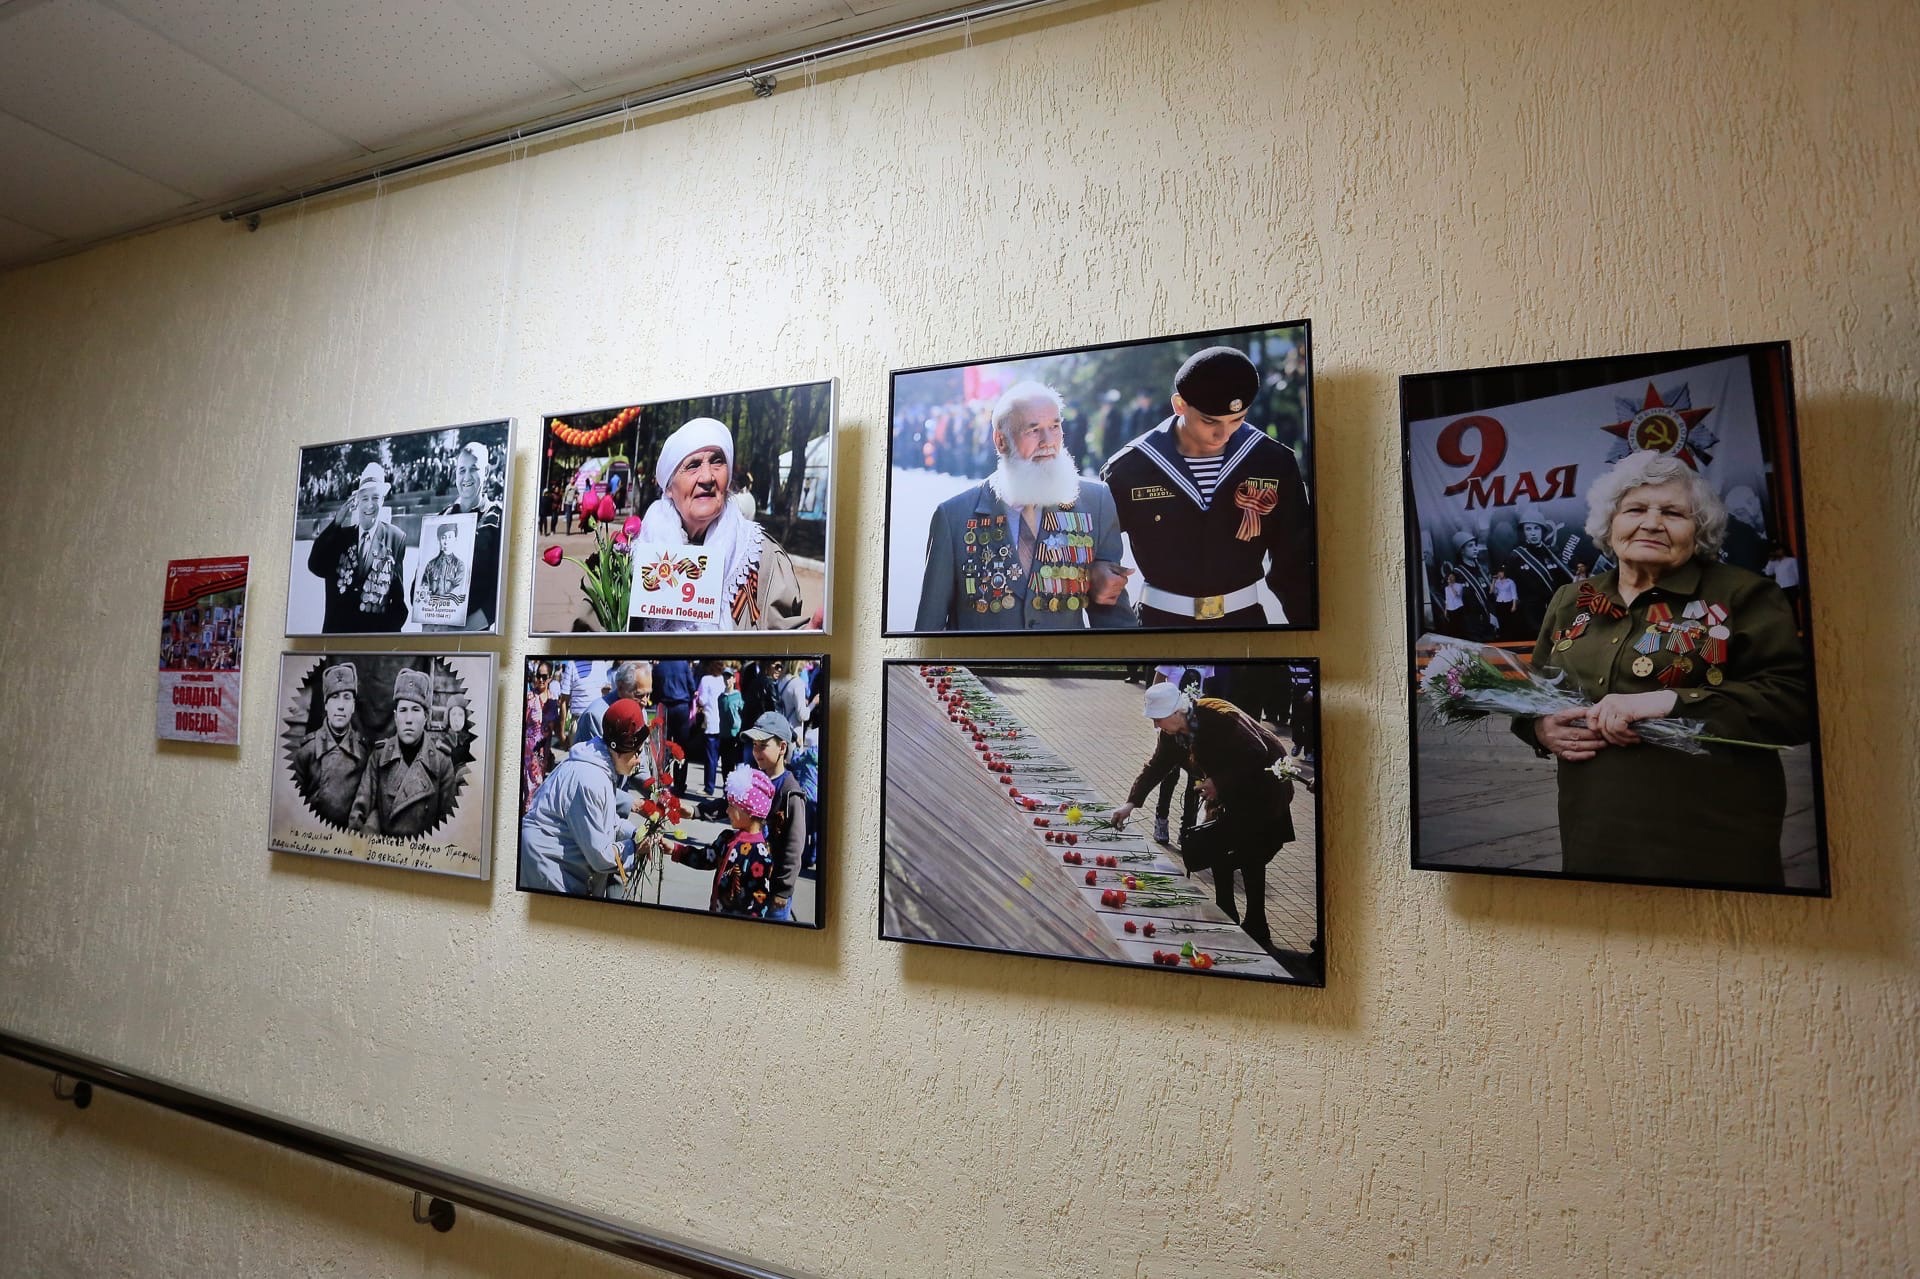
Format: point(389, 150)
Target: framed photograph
point(203, 623)
point(683, 784)
point(710, 513)
point(1610, 658)
point(400, 534)
point(1162, 484)
point(1162, 814)
point(386, 758)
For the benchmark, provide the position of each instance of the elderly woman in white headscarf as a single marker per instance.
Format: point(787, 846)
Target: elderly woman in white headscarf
point(1671, 631)
point(759, 589)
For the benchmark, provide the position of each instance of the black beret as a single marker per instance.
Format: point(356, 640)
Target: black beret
point(1218, 381)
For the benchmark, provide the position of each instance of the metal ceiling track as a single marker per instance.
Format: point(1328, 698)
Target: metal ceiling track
point(446, 1186)
point(760, 75)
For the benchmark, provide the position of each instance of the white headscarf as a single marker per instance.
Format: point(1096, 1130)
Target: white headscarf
point(732, 540)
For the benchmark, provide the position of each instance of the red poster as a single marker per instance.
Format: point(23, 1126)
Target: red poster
point(202, 624)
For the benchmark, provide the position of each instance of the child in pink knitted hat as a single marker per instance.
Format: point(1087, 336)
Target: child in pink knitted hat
point(742, 871)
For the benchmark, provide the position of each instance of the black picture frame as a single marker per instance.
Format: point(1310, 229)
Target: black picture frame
point(815, 872)
point(936, 772)
point(1283, 354)
point(1750, 452)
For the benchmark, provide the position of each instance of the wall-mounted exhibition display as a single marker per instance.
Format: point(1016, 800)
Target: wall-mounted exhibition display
point(1123, 813)
point(400, 533)
point(386, 758)
point(1604, 558)
point(695, 785)
point(711, 513)
point(1161, 484)
point(203, 622)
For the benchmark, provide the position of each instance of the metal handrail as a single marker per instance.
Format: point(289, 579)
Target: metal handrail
point(494, 1198)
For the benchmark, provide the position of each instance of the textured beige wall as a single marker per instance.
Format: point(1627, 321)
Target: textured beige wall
point(1502, 1076)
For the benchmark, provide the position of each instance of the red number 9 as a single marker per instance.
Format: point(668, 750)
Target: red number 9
point(686, 593)
point(1489, 436)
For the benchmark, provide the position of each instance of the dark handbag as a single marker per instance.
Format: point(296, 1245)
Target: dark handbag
point(1208, 845)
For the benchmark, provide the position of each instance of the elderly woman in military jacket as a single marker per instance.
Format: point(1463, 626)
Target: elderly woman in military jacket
point(1670, 632)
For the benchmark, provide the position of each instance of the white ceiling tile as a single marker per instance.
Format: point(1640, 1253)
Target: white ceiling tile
point(372, 71)
point(599, 42)
point(80, 70)
point(72, 192)
point(18, 243)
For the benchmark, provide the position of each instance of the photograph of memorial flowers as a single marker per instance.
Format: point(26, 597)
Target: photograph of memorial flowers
point(1611, 669)
point(1160, 814)
point(707, 513)
point(693, 784)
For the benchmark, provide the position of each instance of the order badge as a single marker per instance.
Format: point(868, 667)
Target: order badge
point(671, 583)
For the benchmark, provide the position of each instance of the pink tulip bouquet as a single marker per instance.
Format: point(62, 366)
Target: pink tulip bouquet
point(606, 576)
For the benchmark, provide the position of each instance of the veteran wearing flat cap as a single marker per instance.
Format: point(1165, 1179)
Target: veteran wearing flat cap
point(759, 589)
point(411, 782)
point(328, 763)
point(1034, 546)
point(1214, 507)
point(359, 555)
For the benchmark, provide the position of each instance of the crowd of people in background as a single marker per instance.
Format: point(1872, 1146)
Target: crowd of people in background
point(430, 474)
point(709, 709)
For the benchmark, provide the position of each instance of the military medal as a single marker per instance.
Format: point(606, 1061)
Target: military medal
point(1643, 666)
point(1648, 643)
point(1715, 676)
point(1694, 609)
point(1073, 602)
point(1714, 647)
point(1672, 675)
point(1563, 646)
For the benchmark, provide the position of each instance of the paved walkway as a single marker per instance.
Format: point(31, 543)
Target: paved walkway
point(1096, 724)
point(1486, 800)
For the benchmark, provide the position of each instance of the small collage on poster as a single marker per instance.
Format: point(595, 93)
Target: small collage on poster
point(203, 624)
point(385, 758)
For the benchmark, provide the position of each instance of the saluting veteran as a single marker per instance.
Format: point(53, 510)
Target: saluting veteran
point(1671, 631)
point(410, 784)
point(759, 590)
point(328, 764)
point(1213, 506)
point(1034, 546)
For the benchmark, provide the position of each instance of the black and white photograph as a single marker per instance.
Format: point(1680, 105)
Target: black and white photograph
point(1151, 813)
point(691, 784)
point(386, 758)
point(369, 515)
point(1160, 484)
point(707, 513)
point(1610, 655)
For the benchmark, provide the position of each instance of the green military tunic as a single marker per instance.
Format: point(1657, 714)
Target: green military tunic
point(406, 797)
point(1723, 640)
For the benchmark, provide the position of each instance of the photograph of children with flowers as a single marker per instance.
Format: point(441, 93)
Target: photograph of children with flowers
point(709, 513)
point(685, 783)
point(1610, 659)
point(1015, 812)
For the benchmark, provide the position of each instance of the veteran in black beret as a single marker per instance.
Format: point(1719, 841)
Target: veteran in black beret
point(1034, 546)
point(1213, 506)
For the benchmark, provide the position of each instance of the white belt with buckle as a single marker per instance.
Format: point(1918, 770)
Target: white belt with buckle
point(1200, 607)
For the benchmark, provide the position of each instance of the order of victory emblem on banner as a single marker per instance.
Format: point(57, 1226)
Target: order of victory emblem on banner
point(671, 583)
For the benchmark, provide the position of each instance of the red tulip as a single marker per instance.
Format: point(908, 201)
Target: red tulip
point(606, 510)
point(677, 751)
point(1131, 927)
point(620, 541)
point(1093, 877)
point(632, 527)
point(553, 555)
